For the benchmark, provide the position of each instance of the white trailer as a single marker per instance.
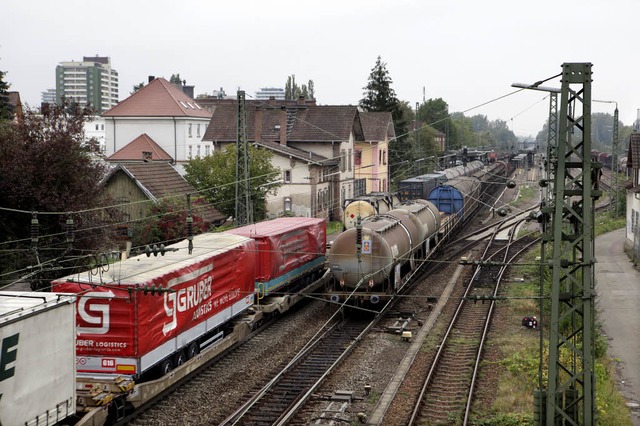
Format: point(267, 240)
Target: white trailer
point(37, 358)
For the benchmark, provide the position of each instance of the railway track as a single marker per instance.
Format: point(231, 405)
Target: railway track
point(192, 403)
point(447, 391)
point(280, 399)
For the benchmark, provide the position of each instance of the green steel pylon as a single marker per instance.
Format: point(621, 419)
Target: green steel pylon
point(571, 383)
point(244, 212)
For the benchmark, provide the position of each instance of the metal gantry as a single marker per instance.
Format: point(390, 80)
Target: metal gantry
point(570, 395)
point(244, 211)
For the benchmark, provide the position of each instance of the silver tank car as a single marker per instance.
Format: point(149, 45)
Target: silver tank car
point(426, 214)
point(385, 246)
point(373, 204)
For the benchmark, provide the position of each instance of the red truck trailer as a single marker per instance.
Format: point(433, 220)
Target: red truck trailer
point(126, 327)
point(290, 250)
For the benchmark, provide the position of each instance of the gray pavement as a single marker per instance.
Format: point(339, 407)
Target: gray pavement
point(618, 304)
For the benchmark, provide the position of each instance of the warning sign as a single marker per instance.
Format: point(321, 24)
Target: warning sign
point(366, 246)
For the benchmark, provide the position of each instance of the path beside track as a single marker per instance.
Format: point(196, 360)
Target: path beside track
point(618, 287)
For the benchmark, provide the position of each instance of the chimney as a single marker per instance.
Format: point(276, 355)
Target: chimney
point(283, 126)
point(146, 156)
point(272, 101)
point(300, 100)
point(258, 124)
point(151, 78)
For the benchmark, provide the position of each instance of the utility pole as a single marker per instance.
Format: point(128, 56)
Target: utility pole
point(613, 192)
point(614, 161)
point(244, 211)
point(570, 397)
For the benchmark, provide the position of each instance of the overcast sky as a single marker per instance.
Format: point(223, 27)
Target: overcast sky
point(466, 52)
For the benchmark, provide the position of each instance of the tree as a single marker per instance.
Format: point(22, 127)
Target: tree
point(45, 168)
point(215, 176)
point(137, 87)
point(6, 109)
point(167, 223)
point(435, 113)
point(175, 79)
point(293, 92)
point(380, 97)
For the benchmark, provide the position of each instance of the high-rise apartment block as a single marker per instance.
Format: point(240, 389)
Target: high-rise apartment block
point(91, 82)
point(267, 93)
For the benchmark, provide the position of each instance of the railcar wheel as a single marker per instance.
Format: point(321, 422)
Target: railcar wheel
point(180, 359)
point(192, 350)
point(166, 367)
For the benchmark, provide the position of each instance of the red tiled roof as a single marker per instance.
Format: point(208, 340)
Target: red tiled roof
point(376, 126)
point(158, 99)
point(133, 151)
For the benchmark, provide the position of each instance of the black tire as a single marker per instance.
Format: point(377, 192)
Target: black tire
point(192, 350)
point(166, 367)
point(180, 359)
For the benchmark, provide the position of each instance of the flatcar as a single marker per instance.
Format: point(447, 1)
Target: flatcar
point(182, 302)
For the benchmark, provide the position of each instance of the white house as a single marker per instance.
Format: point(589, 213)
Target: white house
point(167, 115)
point(633, 195)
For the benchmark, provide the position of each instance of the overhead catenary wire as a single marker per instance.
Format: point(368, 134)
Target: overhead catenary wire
point(200, 191)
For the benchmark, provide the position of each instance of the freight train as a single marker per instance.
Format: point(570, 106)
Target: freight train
point(148, 315)
point(378, 203)
point(372, 260)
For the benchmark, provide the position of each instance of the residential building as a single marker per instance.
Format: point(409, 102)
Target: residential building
point(371, 156)
point(267, 93)
point(313, 146)
point(48, 97)
point(137, 185)
point(167, 115)
point(16, 106)
point(633, 196)
point(91, 82)
point(94, 130)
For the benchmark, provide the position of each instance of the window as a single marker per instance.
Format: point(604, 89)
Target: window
point(343, 160)
point(102, 127)
point(358, 157)
point(198, 151)
point(190, 125)
point(384, 157)
point(97, 126)
point(189, 153)
point(207, 150)
point(287, 204)
point(287, 176)
point(198, 130)
point(349, 160)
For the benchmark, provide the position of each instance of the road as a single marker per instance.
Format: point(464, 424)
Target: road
point(618, 302)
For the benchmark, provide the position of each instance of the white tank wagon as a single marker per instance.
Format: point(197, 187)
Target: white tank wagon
point(37, 358)
point(364, 206)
